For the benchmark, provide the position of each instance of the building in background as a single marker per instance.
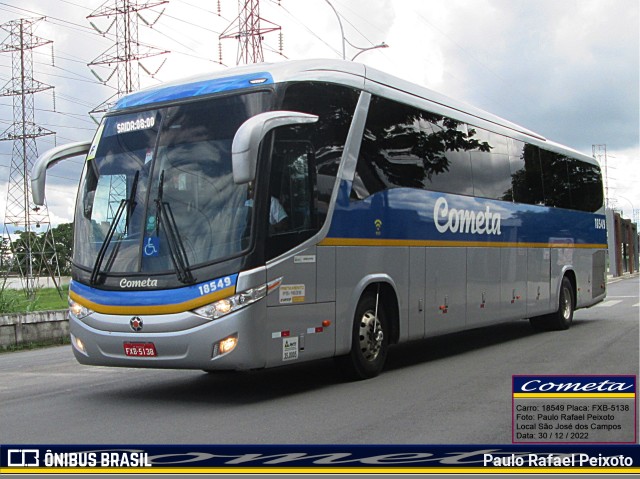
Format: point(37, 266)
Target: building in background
point(623, 244)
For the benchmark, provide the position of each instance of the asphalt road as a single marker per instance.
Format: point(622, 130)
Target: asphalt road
point(449, 390)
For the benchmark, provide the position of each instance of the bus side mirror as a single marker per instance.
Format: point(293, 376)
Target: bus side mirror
point(47, 160)
point(244, 150)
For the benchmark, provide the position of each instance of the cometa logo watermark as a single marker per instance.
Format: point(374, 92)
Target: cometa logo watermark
point(537, 385)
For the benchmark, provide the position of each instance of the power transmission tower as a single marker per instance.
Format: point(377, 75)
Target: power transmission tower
point(247, 29)
point(127, 51)
point(34, 253)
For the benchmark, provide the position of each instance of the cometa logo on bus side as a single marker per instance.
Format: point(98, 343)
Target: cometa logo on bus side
point(465, 221)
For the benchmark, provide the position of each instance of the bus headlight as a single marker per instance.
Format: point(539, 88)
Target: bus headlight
point(78, 310)
point(233, 303)
point(238, 301)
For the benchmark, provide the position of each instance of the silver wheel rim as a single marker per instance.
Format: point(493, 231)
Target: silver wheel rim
point(566, 304)
point(370, 335)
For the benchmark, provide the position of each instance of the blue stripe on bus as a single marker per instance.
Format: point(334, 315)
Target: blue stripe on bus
point(401, 215)
point(186, 297)
point(189, 90)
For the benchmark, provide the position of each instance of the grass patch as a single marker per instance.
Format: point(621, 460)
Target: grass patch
point(45, 299)
point(35, 345)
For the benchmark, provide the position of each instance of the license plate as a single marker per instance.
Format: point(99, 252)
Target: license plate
point(140, 349)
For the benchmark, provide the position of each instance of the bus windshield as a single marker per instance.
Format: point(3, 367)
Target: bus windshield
point(157, 193)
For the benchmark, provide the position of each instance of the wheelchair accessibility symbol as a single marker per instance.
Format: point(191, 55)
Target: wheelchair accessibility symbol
point(152, 246)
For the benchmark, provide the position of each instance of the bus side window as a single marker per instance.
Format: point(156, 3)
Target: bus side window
point(555, 179)
point(292, 196)
point(586, 186)
point(334, 105)
point(405, 147)
point(526, 175)
point(490, 165)
point(292, 185)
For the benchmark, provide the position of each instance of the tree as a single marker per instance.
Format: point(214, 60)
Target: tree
point(63, 237)
point(29, 255)
point(6, 257)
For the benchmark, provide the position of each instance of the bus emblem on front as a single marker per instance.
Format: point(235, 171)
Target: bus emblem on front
point(136, 324)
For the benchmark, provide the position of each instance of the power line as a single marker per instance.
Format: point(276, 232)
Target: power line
point(127, 51)
point(63, 22)
point(337, 52)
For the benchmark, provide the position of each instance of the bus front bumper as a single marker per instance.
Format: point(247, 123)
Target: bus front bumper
point(176, 341)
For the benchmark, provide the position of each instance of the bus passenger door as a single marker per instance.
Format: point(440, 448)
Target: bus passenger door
point(297, 322)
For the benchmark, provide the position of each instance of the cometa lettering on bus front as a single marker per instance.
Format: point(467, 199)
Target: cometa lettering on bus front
point(465, 221)
point(138, 283)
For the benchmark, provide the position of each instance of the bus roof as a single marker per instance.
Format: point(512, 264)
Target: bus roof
point(349, 73)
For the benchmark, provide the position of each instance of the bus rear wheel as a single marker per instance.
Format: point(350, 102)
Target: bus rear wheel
point(563, 317)
point(370, 339)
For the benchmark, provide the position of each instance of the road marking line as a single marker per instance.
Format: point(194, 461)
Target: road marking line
point(608, 304)
point(637, 305)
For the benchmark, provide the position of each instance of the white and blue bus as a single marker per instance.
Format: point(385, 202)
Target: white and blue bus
point(273, 214)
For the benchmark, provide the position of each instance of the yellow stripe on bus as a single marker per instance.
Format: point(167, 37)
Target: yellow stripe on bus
point(353, 470)
point(154, 309)
point(447, 243)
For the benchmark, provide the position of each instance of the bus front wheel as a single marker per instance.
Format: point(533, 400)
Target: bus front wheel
point(370, 339)
point(563, 317)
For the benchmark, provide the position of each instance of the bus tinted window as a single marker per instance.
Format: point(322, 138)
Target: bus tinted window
point(457, 177)
point(543, 177)
point(404, 147)
point(490, 165)
point(516, 166)
point(555, 178)
point(305, 161)
point(586, 186)
point(390, 156)
point(334, 106)
point(526, 177)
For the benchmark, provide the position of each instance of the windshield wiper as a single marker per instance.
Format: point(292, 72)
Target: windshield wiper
point(126, 203)
point(176, 246)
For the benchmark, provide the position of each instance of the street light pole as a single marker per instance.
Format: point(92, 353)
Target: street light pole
point(344, 56)
point(633, 210)
point(344, 39)
point(362, 50)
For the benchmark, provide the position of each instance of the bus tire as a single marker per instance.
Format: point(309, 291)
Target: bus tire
point(563, 317)
point(369, 341)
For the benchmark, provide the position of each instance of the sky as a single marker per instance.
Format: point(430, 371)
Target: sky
point(568, 69)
